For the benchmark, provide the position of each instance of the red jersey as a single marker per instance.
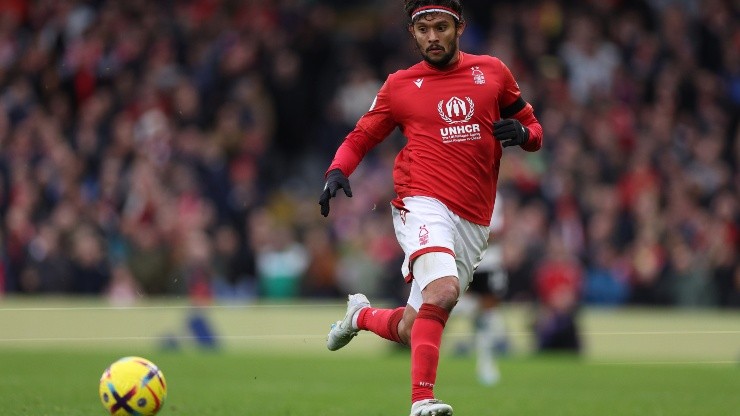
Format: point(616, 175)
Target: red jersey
point(447, 118)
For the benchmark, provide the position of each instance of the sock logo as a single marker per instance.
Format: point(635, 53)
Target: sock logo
point(426, 384)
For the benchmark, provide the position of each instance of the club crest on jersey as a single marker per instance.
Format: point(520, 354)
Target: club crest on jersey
point(478, 77)
point(457, 113)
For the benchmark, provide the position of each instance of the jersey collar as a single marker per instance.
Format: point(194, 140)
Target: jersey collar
point(460, 59)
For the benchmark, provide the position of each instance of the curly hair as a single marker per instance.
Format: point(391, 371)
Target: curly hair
point(455, 5)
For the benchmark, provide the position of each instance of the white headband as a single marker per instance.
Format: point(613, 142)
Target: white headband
point(434, 9)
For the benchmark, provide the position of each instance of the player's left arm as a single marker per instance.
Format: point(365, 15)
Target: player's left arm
point(518, 125)
point(523, 112)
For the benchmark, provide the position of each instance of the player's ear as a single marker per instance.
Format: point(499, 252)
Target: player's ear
point(460, 28)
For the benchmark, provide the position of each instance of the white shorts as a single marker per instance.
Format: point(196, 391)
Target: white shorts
point(436, 243)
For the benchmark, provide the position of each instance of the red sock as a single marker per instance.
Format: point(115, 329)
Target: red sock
point(383, 322)
point(426, 337)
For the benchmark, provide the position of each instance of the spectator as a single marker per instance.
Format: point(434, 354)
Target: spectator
point(89, 269)
point(590, 60)
point(559, 278)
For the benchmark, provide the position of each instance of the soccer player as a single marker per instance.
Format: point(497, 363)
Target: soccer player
point(457, 111)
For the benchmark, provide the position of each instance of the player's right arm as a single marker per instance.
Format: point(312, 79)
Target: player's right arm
point(371, 129)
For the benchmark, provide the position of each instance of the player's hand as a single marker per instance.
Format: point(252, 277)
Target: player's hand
point(335, 179)
point(510, 132)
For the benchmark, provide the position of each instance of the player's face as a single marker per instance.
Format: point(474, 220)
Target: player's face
point(437, 37)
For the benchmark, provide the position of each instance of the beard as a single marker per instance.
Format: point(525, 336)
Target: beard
point(439, 61)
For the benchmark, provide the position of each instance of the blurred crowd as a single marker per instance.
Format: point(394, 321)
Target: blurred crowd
point(178, 147)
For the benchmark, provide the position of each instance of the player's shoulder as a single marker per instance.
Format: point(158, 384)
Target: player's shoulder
point(472, 59)
point(402, 78)
point(409, 72)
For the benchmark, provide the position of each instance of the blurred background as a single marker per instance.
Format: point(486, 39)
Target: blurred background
point(159, 148)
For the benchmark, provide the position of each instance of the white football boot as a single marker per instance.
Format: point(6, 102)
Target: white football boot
point(430, 407)
point(342, 332)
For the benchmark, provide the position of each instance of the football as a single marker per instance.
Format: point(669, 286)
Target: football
point(132, 386)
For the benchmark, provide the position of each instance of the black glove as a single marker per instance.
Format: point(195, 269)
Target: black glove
point(510, 132)
point(335, 179)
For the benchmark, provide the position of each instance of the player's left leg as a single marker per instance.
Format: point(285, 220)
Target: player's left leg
point(439, 297)
point(434, 292)
point(441, 253)
point(431, 407)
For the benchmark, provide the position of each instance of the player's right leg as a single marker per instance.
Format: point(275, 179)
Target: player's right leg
point(361, 316)
point(342, 332)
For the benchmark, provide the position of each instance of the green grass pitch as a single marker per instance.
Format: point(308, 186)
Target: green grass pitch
point(271, 360)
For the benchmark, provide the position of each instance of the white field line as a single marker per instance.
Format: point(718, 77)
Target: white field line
point(166, 307)
point(305, 337)
point(625, 333)
point(323, 336)
point(161, 338)
point(661, 362)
